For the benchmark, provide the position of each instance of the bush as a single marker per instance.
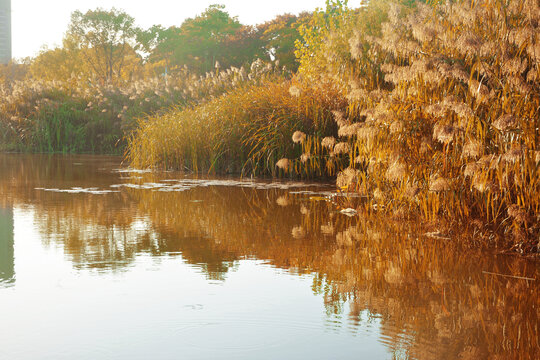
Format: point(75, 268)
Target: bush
point(54, 116)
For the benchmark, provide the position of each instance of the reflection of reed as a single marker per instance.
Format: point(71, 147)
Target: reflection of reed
point(215, 225)
point(436, 293)
point(92, 229)
point(20, 174)
point(432, 298)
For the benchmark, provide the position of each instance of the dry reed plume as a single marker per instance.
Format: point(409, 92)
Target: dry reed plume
point(34, 113)
point(444, 99)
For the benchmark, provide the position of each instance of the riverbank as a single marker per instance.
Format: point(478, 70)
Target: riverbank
point(428, 111)
point(79, 116)
point(435, 111)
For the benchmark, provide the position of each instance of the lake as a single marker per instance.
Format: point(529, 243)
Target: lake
point(99, 261)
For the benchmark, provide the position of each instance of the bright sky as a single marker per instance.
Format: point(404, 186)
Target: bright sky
point(43, 22)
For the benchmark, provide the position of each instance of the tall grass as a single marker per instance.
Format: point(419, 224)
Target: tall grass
point(443, 111)
point(246, 130)
point(35, 113)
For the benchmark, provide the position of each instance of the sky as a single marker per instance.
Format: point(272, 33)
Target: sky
point(36, 23)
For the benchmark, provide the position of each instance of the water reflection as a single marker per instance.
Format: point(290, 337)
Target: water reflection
point(7, 268)
point(431, 298)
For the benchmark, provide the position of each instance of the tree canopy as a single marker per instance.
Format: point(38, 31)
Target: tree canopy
point(105, 39)
point(107, 46)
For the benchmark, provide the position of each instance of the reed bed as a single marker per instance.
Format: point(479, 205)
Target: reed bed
point(443, 112)
point(84, 115)
point(246, 130)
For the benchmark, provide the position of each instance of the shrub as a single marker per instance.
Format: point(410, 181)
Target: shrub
point(32, 110)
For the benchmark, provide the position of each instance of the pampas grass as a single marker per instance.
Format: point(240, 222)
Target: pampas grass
point(28, 107)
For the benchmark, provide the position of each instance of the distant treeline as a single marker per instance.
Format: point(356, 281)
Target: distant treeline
point(86, 95)
point(107, 46)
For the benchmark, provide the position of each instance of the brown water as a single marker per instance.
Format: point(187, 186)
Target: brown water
point(97, 262)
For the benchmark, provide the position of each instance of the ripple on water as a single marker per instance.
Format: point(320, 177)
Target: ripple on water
point(79, 190)
point(229, 332)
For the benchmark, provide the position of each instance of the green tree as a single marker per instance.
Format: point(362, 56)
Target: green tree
point(243, 47)
point(157, 45)
point(314, 33)
point(106, 39)
point(280, 35)
point(198, 43)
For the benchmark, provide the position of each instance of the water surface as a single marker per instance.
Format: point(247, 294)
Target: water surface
point(102, 262)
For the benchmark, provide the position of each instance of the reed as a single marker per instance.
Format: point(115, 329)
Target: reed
point(443, 111)
point(31, 109)
point(246, 130)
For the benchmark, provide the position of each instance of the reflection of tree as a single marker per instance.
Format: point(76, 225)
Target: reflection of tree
point(91, 244)
point(7, 270)
point(430, 296)
point(20, 174)
point(198, 250)
point(105, 231)
point(92, 229)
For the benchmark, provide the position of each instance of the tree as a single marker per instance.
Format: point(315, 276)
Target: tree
point(243, 47)
point(202, 38)
point(106, 39)
point(198, 43)
point(56, 64)
point(279, 36)
point(314, 33)
point(158, 44)
point(13, 71)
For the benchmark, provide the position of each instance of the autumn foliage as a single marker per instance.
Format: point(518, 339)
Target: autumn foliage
point(87, 95)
